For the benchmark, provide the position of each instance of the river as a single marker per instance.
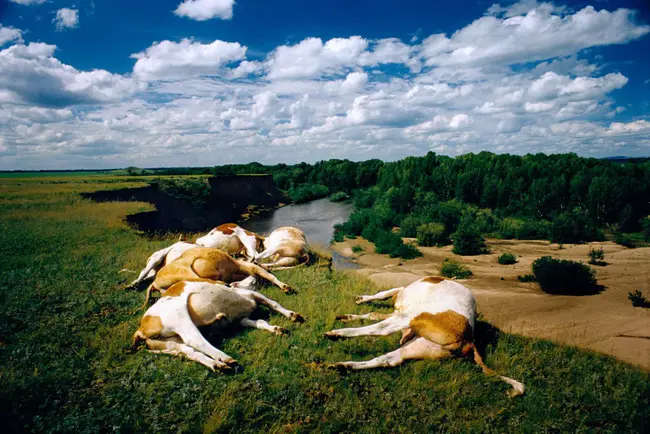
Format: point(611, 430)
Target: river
point(316, 219)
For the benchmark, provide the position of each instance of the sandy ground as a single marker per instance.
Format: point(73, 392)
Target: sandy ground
point(605, 322)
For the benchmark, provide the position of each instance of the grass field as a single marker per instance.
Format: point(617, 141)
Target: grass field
point(65, 330)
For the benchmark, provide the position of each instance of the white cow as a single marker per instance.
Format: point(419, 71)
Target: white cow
point(436, 317)
point(227, 237)
point(287, 248)
point(170, 325)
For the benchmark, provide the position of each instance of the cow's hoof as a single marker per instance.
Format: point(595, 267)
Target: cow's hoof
point(343, 318)
point(281, 331)
point(339, 367)
point(333, 336)
point(296, 317)
point(289, 290)
point(359, 299)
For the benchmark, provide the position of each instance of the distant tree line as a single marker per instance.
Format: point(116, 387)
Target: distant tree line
point(563, 198)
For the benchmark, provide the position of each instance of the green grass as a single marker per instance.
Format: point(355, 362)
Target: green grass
point(65, 329)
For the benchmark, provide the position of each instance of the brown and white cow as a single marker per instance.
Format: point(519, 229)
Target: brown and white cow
point(170, 325)
point(286, 246)
point(227, 237)
point(436, 318)
point(201, 263)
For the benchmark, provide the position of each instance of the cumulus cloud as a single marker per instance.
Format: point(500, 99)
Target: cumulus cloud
point(28, 2)
point(30, 74)
point(492, 40)
point(172, 60)
point(66, 18)
point(202, 10)
point(10, 34)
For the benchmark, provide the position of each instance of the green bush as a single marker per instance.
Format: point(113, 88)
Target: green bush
point(645, 228)
point(638, 299)
point(308, 192)
point(526, 278)
point(431, 234)
point(573, 227)
point(624, 240)
point(409, 226)
point(339, 196)
point(195, 190)
point(509, 228)
point(358, 249)
point(451, 268)
point(388, 243)
point(507, 259)
point(597, 256)
point(532, 229)
point(559, 276)
point(468, 239)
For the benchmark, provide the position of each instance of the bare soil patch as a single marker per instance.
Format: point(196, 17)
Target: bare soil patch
point(605, 322)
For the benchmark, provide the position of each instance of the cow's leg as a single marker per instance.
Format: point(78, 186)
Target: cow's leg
point(179, 349)
point(263, 325)
point(256, 270)
point(248, 241)
point(386, 327)
point(419, 348)
point(375, 316)
point(378, 296)
point(153, 263)
point(265, 254)
point(271, 304)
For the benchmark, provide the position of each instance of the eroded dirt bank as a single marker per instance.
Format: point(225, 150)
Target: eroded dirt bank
point(605, 322)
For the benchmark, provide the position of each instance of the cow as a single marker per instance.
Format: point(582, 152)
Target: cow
point(287, 248)
point(436, 317)
point(201, 263)
point(227, 237)
point(170, 325)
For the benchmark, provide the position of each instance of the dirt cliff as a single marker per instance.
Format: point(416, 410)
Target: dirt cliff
point(226, 199)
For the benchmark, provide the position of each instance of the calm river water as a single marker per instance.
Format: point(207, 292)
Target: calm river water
point(316, 219)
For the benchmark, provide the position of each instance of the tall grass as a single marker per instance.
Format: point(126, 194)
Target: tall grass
point(65, 330)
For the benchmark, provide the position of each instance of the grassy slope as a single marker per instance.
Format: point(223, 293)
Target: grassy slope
point(65, 328)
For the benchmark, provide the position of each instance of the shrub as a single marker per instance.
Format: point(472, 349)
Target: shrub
point(409, 226)
point(509, 228)
point(573, 227)
point(526, 278)
point(532, 229)
point(624, 240)
point(358, 249)
point(308, 192)
point(596, 256)
point(645, 228)
point(638, 299)
point(386, 242)
point(195, 190)
point(451, 268)
point(468, 239)
point(431, 234)
point(339, 196)
point(507, 259)
point(559, 276)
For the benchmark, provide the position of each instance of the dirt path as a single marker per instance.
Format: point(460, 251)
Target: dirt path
point(605, 322)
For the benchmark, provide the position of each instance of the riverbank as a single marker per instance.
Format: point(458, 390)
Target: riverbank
point(605, 322)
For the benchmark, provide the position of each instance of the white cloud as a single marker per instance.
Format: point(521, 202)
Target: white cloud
point(10, 34)
point(172, 60)
point(66, 18)
point(28, 2)
point(491, 40)
point(311, 58)
point(202, 10)
point(30, 74)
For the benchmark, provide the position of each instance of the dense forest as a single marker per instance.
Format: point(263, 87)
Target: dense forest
point(439, 199)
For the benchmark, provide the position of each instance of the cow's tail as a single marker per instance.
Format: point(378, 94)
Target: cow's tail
point(517, 387)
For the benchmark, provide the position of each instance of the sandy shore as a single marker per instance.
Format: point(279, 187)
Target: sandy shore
point(605, 322)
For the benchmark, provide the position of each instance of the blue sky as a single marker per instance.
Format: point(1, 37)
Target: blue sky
point(98, 84)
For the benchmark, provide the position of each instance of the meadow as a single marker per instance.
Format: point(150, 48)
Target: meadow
point(66, 325)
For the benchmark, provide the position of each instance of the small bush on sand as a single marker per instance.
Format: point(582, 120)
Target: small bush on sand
point(358, 249)
point(468, 239)
point(507, 259)
point(638, 299)
point(451, 268)
point(526, 278)
point(624, 240)
point(559, 276)
point(431, 234)
point(597, 256)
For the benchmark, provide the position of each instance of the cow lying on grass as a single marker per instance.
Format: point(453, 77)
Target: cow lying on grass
point(201, 263)
point(436, 318)
point(287, 248)
point(227, 237)
point(170, 325)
